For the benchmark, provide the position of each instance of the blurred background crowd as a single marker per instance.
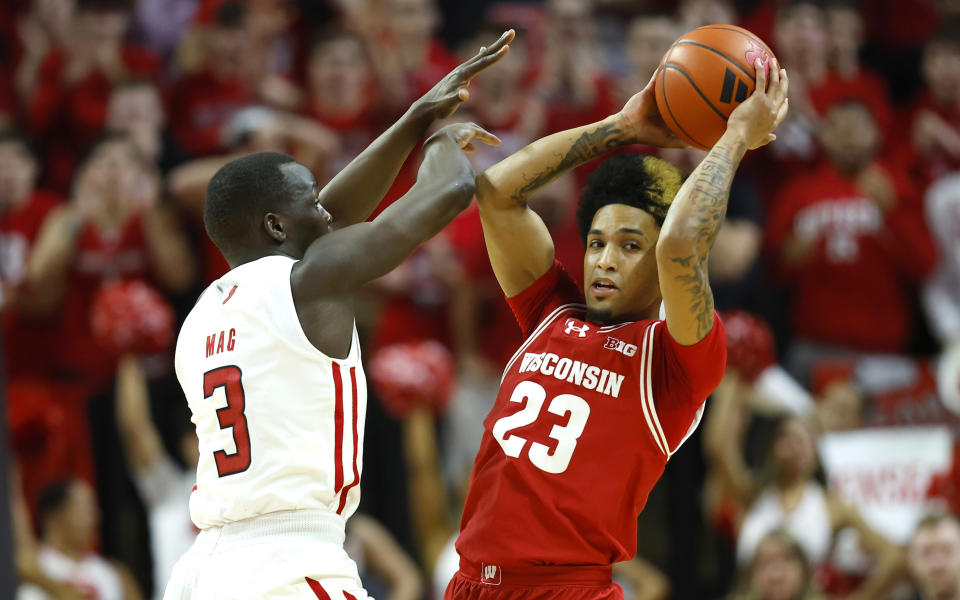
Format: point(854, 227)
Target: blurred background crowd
point(825, 466)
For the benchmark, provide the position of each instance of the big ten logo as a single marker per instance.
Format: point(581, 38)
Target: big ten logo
point(620, 346)
point(581, 330)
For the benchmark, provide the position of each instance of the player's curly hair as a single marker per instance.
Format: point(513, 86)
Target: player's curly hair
point(639, 180)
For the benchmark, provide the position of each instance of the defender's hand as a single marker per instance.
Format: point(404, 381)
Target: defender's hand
point(755, 120)
point(643, 121)
point(445, 97)
point(463, 135)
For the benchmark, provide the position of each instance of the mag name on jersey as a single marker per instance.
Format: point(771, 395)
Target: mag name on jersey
point(573, 371)
point(215, 342)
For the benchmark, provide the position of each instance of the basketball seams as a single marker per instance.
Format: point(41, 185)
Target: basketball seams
point(666, 102)
point(737, 63)
point(695, 87)
point(740, 31)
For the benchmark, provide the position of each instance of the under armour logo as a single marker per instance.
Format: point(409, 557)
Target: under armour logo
point(490, 574)
point(581, 330)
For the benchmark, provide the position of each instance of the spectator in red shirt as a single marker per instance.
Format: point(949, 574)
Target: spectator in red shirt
point(801, 44)
point(934, 116)
point(41, 413)
point(113, 229)
point(342, 92)
point(23, 209)
point(575, 81)
point(68, 106)
point(204, 101)
point(851, 245)
point(46, 25)
point(408, 56)
point(848, 78)
point(135, 109)
point(648, 38)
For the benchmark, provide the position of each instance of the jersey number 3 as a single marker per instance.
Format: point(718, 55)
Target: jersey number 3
point(231, 416)
point(566, 435)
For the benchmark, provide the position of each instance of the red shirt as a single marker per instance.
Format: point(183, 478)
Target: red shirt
point(866, 87)
point(856, 288)
point(74, 115)
point(925, 168)
point(27, 340)
point(201, 106)
point(580, 432)
point(96, 261)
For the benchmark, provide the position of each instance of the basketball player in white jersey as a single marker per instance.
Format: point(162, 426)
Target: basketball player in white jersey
point(269, 358)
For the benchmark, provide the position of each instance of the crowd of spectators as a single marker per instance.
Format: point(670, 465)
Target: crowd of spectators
point(837, 273)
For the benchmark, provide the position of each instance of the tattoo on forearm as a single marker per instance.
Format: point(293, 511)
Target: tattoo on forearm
point(587, 147)
point(695, 282)
point(710, 194)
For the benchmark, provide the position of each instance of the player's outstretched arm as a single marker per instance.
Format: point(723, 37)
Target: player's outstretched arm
point(352, 195)
point(519, 245)
point(342, 261)
point(697, 211)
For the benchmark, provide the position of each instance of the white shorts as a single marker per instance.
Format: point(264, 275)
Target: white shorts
point(295, 554)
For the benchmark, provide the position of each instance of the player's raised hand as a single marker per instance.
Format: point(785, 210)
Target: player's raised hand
point(445, 97)
point(464, 134)
point(758, 116)
point(643, 119)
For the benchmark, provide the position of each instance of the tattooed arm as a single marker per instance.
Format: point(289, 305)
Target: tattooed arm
point(518, 242)
point(698, 210)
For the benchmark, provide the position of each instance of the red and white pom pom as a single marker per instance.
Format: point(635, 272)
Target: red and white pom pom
point(414, 374)
point(130, 317)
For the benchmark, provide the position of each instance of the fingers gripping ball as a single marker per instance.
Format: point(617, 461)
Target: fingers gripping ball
point(130, 317)
point(704, 75)
point(406, 376)
point(750, 348)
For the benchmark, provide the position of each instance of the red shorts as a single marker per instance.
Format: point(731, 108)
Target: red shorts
point(537, 583)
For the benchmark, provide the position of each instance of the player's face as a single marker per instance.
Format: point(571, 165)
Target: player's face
point(306, 219)
point(935, 559)
point(777, 573)
point(620, 265)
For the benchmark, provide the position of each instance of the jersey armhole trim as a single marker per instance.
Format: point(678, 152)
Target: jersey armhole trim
point(647, 399)
point(536, 333)
point(646, 391)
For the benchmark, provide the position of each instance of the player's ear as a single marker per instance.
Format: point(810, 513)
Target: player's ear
point(273, 225)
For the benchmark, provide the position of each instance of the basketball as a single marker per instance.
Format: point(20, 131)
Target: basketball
point(704, 75)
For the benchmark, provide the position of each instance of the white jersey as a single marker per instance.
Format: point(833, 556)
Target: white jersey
point(280, 424)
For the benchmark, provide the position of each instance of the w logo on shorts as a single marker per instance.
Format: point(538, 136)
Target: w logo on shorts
point(489, 574)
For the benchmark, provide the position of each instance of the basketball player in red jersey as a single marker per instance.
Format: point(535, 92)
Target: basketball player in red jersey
point(600, 394)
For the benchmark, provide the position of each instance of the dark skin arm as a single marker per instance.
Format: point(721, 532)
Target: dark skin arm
point(352, 195)
point(337, 264)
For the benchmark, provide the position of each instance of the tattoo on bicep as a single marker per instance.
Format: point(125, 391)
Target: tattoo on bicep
point(693, 277)
point(588, 146)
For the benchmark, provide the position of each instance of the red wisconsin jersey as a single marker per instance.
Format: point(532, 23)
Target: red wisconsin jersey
point(583, 425)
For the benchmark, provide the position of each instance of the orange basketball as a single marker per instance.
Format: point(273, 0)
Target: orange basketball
point(704, 75)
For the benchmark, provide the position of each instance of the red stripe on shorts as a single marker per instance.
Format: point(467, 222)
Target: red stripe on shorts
point(356, 467)
point(319, 591)
point(349, 596)
point(338, 430)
